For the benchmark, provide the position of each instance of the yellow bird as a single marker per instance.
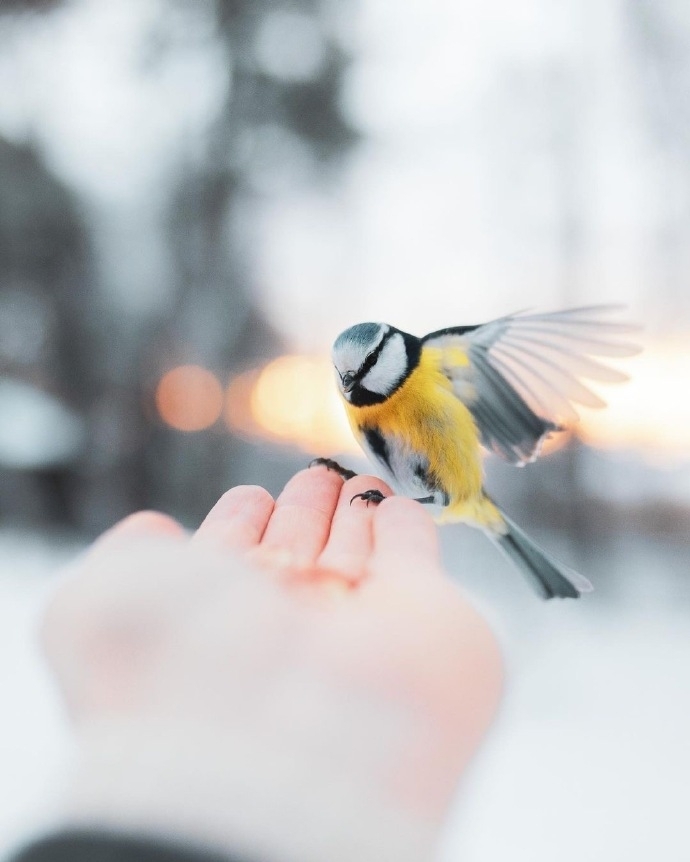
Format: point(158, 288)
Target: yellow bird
point(421, 408)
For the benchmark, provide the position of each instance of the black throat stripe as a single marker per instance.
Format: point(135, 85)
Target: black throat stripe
point(377, 443)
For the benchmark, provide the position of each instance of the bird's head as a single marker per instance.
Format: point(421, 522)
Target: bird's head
point(372, 360)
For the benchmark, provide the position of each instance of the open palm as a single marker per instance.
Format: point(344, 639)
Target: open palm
point(305, 655)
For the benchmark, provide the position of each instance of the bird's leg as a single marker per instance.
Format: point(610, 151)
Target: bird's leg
point(372, 496)
point(343, 472)
point(375, 496)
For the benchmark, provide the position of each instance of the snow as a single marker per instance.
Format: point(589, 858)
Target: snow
point(34, 738)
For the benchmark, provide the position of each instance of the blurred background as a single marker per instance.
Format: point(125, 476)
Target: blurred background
point(197, 196)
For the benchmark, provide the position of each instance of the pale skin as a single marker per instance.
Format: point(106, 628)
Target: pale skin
point(296, 680)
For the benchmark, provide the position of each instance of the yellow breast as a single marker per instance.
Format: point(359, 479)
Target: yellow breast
point(424, 417)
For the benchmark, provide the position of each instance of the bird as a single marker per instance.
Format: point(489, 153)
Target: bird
point(424, 408)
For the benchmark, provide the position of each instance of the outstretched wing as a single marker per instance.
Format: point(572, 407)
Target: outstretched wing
point(521, 375)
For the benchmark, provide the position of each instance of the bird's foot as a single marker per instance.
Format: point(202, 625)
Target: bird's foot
point(373, 496)
point(330, 464)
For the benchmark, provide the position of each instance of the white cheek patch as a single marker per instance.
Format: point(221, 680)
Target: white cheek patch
point(390, 367)
point(350, 356)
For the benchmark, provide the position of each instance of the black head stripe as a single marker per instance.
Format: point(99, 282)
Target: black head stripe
point(361, 397)
point(372, 358)
point(413, 347)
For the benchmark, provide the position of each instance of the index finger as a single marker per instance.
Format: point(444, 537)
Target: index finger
point(405, 540)
point(238, 520)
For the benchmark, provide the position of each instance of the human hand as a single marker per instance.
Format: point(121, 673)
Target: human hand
point(296, 680)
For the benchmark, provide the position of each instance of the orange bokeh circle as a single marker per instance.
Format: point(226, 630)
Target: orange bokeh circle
point(189, 398)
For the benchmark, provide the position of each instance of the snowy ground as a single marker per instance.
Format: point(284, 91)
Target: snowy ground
point(34, 742)
point(588, 760)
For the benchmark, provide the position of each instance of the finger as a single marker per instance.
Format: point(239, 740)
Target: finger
point(138, 526)
point(351, 540)
point(405, 540)
point(301, 519)
point(238, 520)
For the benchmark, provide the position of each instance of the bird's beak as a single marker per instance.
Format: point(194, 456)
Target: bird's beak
point(347, 381)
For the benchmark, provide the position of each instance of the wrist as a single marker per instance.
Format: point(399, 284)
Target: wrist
point(236, 793)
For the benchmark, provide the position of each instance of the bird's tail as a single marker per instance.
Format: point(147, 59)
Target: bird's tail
point(548, 576)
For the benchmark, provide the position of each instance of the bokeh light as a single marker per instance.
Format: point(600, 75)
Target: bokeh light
point(189, 398)
point(292, 400)
point(650, 413)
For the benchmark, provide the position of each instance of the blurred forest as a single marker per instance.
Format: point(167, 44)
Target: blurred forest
point(66, 336)
point(504, 164)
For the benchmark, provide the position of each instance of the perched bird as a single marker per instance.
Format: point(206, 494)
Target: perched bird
point(421, 408)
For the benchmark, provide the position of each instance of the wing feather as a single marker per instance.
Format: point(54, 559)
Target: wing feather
point(578, 363)
point(563, 381)
point(526, 370)
point(549, 401)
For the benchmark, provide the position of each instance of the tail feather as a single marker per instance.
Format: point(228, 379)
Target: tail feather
point(548, 576)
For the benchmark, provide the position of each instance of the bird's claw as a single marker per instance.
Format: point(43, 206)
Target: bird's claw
point(330, 464)
point(373, 496)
